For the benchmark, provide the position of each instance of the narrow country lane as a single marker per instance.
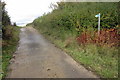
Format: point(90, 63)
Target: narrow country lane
point(38, 58)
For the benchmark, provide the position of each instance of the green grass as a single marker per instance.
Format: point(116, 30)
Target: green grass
point(7, 55)
point(102, 60)
point(92, 58)
point(8, 49)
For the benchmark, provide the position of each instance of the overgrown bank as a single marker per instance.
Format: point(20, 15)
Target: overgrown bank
point(10, 38)
point(9, 46)
point(73, 27)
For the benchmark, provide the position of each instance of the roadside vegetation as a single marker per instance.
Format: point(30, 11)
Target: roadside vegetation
point(9, 46)
point(72, 26)
point(10, 37)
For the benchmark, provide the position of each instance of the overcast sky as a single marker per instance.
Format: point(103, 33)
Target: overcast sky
point(25, 11)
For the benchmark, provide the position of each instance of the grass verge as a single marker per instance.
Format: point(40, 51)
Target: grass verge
point(8, 48)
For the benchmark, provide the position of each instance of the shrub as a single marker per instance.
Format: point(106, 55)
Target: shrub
point(106, 37)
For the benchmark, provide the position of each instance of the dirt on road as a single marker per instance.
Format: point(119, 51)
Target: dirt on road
point(38, 58)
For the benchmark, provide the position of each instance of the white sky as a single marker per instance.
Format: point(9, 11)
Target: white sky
point(25, 11)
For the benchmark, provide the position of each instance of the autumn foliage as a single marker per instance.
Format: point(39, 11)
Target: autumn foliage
point(108, 37)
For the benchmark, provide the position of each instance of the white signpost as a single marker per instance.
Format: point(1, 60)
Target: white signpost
point(98, 15)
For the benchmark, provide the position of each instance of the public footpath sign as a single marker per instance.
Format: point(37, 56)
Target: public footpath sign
point(98, 15)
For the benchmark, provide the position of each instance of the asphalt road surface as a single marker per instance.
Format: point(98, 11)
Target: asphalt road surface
point(36, 57)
